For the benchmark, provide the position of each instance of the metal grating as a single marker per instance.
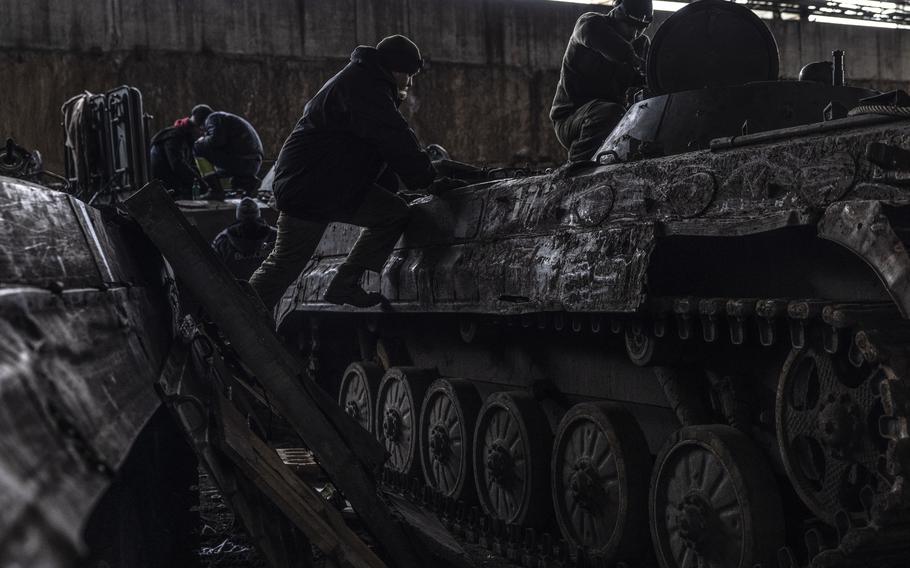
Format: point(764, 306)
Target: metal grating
point(875, 13)
point(872, 11)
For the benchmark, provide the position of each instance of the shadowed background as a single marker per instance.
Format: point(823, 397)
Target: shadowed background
point(485, 94)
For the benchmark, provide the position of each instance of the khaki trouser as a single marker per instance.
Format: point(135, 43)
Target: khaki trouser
point(383, 215)
point(583, 133)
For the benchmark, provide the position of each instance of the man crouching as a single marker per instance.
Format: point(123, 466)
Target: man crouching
point(351, 135)
point(605, 58)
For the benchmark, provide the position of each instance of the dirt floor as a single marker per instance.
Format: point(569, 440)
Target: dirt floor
point(222, 540)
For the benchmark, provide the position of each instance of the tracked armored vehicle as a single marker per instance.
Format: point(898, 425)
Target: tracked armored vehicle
point(691, 352)
point(92, 468)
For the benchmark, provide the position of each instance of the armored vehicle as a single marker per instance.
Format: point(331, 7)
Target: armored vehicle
point(92, 469)
point(694, 348)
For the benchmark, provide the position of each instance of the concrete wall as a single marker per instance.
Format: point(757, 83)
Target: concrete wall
point(485, 95)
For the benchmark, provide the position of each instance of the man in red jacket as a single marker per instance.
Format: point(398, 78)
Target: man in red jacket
point(350, 137)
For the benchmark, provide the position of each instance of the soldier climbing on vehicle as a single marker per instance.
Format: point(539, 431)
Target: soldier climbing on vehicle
point(603, 61)
point(338, 164)
point(232, 145)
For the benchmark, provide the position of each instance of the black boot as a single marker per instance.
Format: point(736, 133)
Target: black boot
point(249, 185)
point(345, 289)
point(216, 191)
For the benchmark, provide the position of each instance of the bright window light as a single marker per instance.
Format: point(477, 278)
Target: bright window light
point(666, 6)
point(659, 5)
point(852, 22)
point(880, 6)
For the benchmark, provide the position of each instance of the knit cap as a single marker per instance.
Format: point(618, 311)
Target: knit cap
point(200, 113)
point(248, 210)
point(398, 53)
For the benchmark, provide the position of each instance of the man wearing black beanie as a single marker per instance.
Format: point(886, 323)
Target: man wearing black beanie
point(350, 142)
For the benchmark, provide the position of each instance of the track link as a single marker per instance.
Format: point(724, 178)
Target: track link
point(874, 335)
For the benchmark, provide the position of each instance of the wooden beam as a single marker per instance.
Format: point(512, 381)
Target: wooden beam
point(312, 514)
point(349, 454)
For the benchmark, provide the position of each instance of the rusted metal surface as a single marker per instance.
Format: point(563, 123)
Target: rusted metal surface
point(77, 366)
point(718, 265)
point(661, 125)
point(870, 230)
point(582, 241)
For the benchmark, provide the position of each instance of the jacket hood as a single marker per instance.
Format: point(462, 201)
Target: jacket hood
point(368, 57)
point(183, 130)
point(248, 238)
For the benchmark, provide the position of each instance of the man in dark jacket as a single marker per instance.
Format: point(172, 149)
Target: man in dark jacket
point(604, 58)
point(351, 132)
point(232, 145)
point(171, 157)
point(243, 245)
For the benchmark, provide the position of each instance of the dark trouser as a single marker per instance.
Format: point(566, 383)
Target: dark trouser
point(583, 133)
point(162, 171)
point(383, 215)
point(241, 169)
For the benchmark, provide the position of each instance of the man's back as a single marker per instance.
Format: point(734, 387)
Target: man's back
point(350, 130)
point(596, 66)
point(232, 133)
point(171, 156)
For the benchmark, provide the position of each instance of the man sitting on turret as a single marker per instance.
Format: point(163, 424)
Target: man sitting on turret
point(604, 58)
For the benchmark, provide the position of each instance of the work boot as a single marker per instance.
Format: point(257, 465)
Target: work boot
point(215, 192)
point(249, 185)
point(345, 289)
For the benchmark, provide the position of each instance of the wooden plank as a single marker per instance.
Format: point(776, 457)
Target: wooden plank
point(312, 514)
point(347, 452)
point(301, 462)
point(185, 386)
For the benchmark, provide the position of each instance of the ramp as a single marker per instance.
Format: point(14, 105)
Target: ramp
point(347, 453)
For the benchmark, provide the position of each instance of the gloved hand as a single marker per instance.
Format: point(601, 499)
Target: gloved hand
point(632, 91)
point(444, 185)
point(411, 196)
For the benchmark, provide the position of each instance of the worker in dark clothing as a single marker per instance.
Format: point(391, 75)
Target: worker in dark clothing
point(171, 157)
point(232, 145)
point(243, 245)
point(604, 58)
point(350, 134)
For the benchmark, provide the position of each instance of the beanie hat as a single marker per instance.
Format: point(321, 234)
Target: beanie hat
point(398, 53)
point(248, 210)
point(640, 12)
point(200, 113)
